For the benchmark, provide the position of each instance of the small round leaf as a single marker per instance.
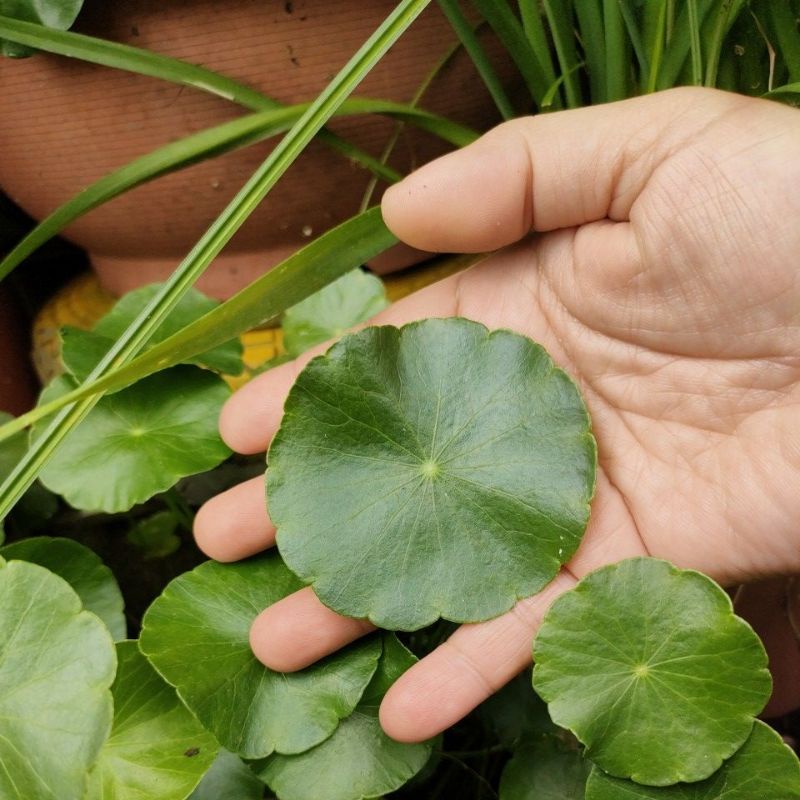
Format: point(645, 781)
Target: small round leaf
point(196, 634)
point(544, 769)
point(452, 472)
point(157, 750)
point(328, 313)
point(359, 761)
point(763, 769)
point(140, 441)
point(649, 667)
point(57, 664)
point(82, 569)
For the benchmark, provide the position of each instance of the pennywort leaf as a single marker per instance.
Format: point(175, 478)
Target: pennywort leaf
point(82, 569)
point(157, 749)
point(545, 769)
point(196, 634)
point(52, 13)
point(453, 469)
point(228, 779)
point(656, 694)
point(140, 441)
point(764, 767)
point(359, 760)
point(57, 663)
point(328, 313)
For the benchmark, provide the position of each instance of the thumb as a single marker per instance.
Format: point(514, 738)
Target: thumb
point(547, 172)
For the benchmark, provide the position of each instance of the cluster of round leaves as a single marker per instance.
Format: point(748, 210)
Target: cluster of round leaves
point(141, 440)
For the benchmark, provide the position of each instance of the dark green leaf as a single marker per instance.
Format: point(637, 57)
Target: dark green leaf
point(196, 634)
point(228, 779)
point(157, 750)
point(140, 441)
point(359, 760)
point(327, 314)
point(649, 667)
point(544, 769)
point(155, 535)
point(56, 666)
point(82, 569)
point(763, 769)
point(452, 472)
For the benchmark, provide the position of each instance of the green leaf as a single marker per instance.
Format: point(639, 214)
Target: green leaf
point(225, 358)
point(649, 667)
point(140, 441)
point(82, 569)
point(327, 314)
point(544, 769)
point(763, 768)
point(452, 472)
point(155, 536)
point(359, 760)
point(56, 666)
point(53, 13)
point(156, 750)
point(196, 634)
point(228, 779)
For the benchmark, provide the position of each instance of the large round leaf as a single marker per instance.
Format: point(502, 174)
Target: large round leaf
point(157, 750)
point(763, 769)
point(56, 666)
point(328, 313)
point(82, 569)
point(436, 470)
point(359, 760)
point(81, 350)
point(649, 667)
point(140, 441)
point(544, 769)
point(196, 634)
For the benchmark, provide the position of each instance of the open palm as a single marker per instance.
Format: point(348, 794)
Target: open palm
point(662, 274)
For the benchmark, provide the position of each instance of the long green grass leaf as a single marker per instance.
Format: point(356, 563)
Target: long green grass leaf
point(212, 242)
point(617, 64)
point(695, 47)
point(213, 142)
point(788, 88)
point(655, 46)
point(719, 24)
point(635, 36)
point(534, 30)
point(509, 30)
point(592, 36)
point(679, 44)
point(467, 37)
point(559, 16)
point(783, 27)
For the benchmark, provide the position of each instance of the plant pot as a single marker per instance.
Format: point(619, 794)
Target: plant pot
point(66, 123)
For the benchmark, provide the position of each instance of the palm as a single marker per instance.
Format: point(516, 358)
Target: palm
point(663, 279)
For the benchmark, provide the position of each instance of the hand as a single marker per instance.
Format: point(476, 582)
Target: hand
point(664, 276)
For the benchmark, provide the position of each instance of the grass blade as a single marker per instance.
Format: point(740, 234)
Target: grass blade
point(616, 51)
point(212, 142)
point(533, 27)
point(559, 16)
point(593, 39)
point(680, 43)
point(467, 37)
point(719, 24)
point(212, 242)
point(635, 36)
point(783, 27)
point(695, 48)
point(508, 29)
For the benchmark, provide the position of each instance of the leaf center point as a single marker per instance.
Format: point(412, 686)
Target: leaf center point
point(430, 469)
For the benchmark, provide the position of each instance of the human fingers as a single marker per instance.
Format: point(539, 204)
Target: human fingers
point(251, 417)
point(299, 630)
point(546, 172)
point(235, 524)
